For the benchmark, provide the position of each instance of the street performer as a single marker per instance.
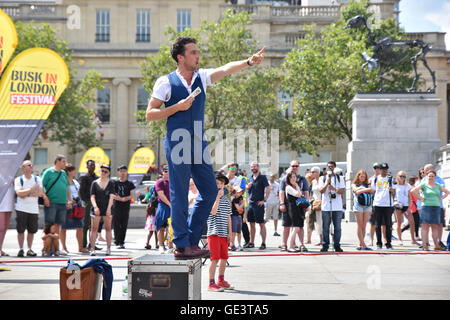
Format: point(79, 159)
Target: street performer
point(184, 94)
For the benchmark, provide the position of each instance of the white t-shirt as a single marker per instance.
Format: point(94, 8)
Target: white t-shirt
point(7, 203)
point(191, 196)
point(162, 90)
point(27, 204)
point(401, 193)
point(74, 189)
point(328, 203)
point(295, 192)
point(273, 195)
point(382, 197)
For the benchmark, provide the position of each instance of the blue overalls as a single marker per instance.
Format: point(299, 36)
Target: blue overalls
point(184, 165)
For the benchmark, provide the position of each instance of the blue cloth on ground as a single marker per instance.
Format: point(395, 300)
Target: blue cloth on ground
point(100, 266)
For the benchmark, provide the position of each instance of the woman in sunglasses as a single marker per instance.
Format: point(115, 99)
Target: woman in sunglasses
point(102, 197)
point(401, 203)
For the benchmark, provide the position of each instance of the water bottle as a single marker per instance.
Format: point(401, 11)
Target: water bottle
point(125, 287)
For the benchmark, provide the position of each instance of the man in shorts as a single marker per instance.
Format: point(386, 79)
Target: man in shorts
point(163, 212)
point(57, 198)
point(28, 188)
point(258, 189)
point(273, 204)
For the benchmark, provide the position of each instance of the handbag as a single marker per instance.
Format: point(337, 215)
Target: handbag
point(302, 203)
point(365, 199)
point(77, 212)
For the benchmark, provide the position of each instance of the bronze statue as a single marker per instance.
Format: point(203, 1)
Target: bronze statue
point(388, 52)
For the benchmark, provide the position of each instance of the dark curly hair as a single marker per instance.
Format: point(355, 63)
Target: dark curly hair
point(178, 47)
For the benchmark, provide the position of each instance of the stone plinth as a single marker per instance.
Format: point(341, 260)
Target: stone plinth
point(400, 129)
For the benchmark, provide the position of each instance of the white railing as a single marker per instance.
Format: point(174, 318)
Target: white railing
point(310, 11)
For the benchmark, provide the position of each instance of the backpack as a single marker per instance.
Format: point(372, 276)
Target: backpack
point(365, 199)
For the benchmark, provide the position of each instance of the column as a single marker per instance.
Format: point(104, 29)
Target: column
point(121, 116)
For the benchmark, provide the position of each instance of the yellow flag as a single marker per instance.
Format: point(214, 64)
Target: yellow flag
point(141, 161)
point(98, 155)
point(31, 85)
point(8, 39)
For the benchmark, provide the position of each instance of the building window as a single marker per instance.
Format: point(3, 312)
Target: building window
point(102, 31)
point(104, 105)
point(285, 103)
point(143, 25)
point(142, 99)
point(40, 156)
point(324, 156)
point(183, 20)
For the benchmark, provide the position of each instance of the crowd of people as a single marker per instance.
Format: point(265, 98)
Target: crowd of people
point(86, 205)
point(314, 201)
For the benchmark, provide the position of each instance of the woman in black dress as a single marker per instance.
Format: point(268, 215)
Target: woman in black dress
point(102, 197)
point(296, 214)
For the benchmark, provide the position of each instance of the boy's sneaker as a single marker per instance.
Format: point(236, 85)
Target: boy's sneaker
point(162, 249)
point(225, 285)
point(214, 287)
point(20, 253)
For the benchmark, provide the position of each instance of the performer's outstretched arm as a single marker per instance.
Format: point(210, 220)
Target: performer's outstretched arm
point(236, 66)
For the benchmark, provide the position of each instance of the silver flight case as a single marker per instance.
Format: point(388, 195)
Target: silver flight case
point(161, 277)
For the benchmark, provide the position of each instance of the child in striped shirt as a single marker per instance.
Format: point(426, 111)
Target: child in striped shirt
point(219, 235)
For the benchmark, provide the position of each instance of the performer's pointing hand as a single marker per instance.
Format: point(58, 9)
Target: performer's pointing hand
point(257, 58)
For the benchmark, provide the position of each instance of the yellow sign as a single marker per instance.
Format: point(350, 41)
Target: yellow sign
point(8, 39)
point(31, 85)
point(141, 161)
point(98, 155)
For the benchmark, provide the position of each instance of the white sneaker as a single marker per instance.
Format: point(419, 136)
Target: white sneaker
point(162, 249)
point(92, 252)
point(108, 251)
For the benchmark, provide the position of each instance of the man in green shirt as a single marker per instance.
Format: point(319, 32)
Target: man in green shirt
point(57, 193)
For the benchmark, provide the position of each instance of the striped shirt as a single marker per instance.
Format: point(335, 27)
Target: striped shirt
point(218, 223)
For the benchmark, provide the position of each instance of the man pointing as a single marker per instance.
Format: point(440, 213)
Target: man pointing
point(186, 150)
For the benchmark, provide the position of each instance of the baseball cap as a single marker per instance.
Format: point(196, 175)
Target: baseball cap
point(384, 165)
point(376, 165)
point(122, 167)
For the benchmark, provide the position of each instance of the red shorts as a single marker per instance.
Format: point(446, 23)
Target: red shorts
point(218, 247)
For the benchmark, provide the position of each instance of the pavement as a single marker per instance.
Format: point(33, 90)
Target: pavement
point(405, 273)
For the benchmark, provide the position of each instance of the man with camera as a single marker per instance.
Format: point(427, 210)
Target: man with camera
point(331, 186)
point(383, 203)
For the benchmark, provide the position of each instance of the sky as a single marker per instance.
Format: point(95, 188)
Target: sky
point(425, 16)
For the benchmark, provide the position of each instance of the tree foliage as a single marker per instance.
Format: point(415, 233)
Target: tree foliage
point(71, 124)
point(243, 100)
point(323, 74)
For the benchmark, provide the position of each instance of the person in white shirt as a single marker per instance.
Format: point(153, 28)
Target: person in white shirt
point(331, 186)
point(401, 203)
point(383, 203)
point(273, 203)
point(28, 188)
point(183, 92)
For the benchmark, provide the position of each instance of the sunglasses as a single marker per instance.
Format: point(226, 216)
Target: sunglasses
point(295, 166)
point(104, 171)
point(28, 165)
point(232, 168)
point(166, 171)
point(402, 176)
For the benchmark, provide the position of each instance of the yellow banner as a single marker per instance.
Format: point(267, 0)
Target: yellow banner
point(141, 161)
point(8, 39)
point(98, 155)
point(31, 85)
